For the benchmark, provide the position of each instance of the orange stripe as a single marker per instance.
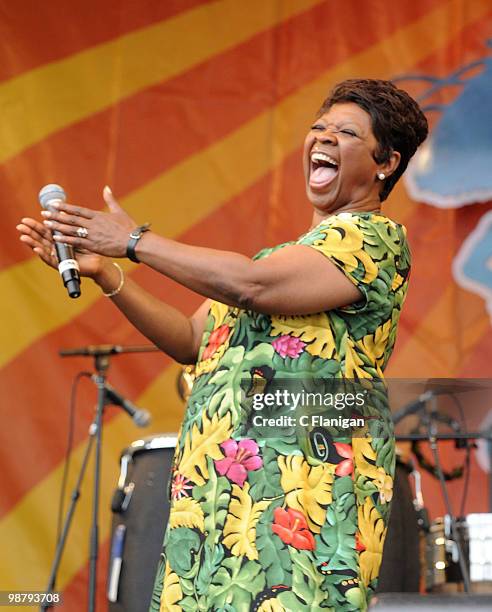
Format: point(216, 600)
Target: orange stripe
point(478, 363)
point(138, 158)
point(37, 33)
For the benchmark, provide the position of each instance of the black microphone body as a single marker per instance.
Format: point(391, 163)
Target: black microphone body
point(412, 407)
point(67, 264)
point(140, 417)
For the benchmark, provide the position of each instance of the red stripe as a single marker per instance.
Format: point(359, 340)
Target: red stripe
point(36, 33)
point(167, 123)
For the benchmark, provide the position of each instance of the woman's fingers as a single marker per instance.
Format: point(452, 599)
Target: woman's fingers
point(36, 231)
point(66, 230)
point(41, 246)
point(64, 217)
point(109, 198)
point(70, 210)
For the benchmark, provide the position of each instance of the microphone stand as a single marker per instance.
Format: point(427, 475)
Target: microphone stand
point(102, 355)
point(102, 365)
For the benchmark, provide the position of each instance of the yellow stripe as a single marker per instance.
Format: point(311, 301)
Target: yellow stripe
point(176, 201)
point(28, 532)
point(46, 99)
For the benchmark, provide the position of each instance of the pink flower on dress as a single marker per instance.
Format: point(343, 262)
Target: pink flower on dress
point(179, 487)
point(287, 346)
point(240, 458)
point(346, 466)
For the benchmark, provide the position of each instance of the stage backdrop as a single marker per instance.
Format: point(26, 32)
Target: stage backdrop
point(194, 113)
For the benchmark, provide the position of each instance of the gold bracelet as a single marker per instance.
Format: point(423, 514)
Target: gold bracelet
point(120, 286)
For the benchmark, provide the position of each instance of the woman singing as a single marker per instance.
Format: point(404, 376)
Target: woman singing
point(276, 519)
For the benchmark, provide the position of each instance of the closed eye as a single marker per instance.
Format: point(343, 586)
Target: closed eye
point(349, 132)
point(317, 126)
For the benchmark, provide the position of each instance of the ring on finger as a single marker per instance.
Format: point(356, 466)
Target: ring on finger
point(82, 232)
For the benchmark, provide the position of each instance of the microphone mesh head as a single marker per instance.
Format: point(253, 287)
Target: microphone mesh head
point(51, 192)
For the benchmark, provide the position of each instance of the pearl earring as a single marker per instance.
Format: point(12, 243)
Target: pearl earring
point(381, 176)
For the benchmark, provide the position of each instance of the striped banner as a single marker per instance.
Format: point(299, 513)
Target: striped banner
point(194, 113)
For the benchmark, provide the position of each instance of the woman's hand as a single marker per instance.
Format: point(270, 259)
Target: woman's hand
point(38, 237)
point(91, 230)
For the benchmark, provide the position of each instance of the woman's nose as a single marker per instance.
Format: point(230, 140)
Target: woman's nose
point(326, 136)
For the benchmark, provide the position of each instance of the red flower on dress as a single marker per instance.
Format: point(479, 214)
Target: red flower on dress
point(239, 460)
point(217, 337)
point(179, 487)
point(346, 466)
point(291, 527)
point(359, 546)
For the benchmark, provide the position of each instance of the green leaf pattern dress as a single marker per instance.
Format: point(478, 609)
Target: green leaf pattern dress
point(262, 523)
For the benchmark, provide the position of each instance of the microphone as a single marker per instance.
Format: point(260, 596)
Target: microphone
point(412, 407)
point(140, 417)
point(67, 264)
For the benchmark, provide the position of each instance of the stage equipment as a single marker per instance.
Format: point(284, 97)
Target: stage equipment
point(409, 602)
point(430, 417)
point(140, 512)
point(442, 569)
point(67, 263)
point(101, 355)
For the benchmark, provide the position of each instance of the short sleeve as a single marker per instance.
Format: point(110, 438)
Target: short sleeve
point(368, 249)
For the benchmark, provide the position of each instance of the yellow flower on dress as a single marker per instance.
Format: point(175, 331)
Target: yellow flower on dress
point(344, 242)
point(372, 532)
point(384, 483)
point(171, 592)
point(271, 605)
point(307, 489)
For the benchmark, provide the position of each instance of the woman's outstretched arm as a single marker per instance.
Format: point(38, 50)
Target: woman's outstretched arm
point(174, 333)
point(293, 280)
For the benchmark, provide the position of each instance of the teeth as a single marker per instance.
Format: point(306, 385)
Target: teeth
point(322, 157)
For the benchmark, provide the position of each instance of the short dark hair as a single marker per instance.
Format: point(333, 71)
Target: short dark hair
point(398, 122)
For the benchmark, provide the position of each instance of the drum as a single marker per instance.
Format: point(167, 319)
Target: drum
point(140, 512)
point(400, 567)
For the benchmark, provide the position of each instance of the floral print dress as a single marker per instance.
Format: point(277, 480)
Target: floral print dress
point(266, 523)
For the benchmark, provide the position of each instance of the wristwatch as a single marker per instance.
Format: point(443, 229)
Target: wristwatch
point(134, 238)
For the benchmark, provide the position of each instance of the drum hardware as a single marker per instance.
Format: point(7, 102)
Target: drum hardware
point(418, 501)
point(123, 492)
point(117, 546)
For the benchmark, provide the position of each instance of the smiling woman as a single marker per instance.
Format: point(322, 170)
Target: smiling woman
point(276, 522)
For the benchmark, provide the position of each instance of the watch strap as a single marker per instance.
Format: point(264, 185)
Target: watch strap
point(135, 236)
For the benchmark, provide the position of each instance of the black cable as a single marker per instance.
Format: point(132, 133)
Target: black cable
point(68, 452)
point(468, 446)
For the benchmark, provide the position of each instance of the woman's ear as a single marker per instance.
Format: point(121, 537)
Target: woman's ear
point(391, 165)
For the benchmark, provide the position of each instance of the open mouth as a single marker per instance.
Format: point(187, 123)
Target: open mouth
point(323, 170)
